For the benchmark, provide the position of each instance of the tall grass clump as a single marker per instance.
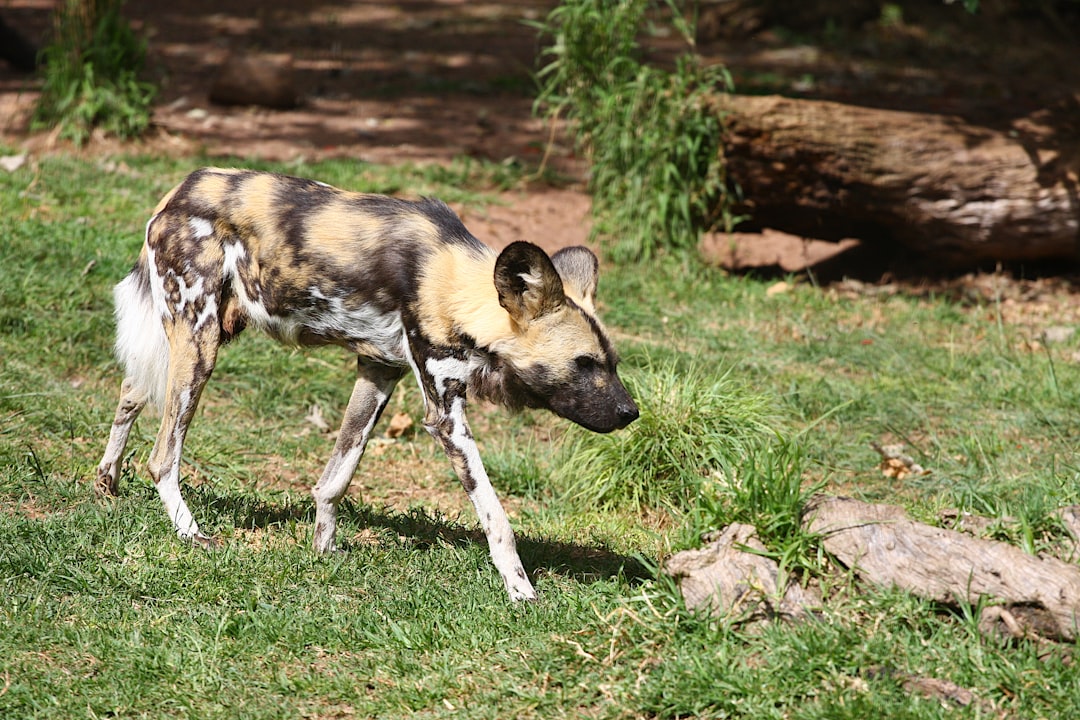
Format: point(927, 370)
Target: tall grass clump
point(694, 428)
point(653, 135)
point(767, 489)
point(91, 74)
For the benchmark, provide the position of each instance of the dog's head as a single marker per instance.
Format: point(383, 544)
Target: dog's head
point(559, 356)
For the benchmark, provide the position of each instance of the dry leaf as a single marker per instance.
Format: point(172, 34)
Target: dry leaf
point(400, 424)
point(895, 464)
point(315, 418)
point(777, 288)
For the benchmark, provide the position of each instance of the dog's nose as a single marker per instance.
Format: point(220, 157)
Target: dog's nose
point(627, 414)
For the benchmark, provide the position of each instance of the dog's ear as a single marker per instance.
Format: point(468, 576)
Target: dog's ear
point(579, 269)
point(529, 287)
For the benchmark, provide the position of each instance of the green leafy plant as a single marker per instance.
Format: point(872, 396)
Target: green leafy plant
point(91, 74)
point(653, 135)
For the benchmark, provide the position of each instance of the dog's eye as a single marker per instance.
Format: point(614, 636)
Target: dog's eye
point(586, 362)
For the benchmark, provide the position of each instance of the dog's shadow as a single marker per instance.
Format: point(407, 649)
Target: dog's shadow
point(584, 563)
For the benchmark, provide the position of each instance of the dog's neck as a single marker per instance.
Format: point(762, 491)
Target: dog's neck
point(457, 296)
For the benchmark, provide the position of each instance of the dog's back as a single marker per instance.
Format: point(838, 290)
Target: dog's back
point(306, 262)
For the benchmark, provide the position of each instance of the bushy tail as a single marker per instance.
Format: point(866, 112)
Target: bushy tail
point(141, 345)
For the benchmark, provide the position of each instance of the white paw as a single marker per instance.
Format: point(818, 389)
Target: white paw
point(195, 537)
point(323, 542)
point(519, 587)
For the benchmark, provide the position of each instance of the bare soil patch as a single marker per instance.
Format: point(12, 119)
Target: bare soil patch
point(420, 82)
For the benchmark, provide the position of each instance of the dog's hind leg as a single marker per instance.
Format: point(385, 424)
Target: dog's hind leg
point(143, 350)
point(132, 401)
point(374, 384)
point(192, 356)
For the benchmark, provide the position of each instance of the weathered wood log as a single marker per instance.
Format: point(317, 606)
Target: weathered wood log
point(732, 576)
point(1035, 595)
point(953, 192)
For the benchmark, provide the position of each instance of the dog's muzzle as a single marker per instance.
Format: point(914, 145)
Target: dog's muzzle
point(602, 417)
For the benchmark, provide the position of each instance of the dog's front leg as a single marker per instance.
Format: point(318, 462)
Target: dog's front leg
point(444, 383)
point(374, 384)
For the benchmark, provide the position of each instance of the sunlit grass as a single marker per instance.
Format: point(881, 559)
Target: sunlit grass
point(750, 401)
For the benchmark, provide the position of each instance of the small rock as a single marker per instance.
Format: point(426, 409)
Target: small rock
point(11, 163)
point(266, 80)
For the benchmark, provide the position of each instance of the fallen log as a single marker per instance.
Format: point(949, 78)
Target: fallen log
point(955, 193)
point(1028, 595)
point(732, 577)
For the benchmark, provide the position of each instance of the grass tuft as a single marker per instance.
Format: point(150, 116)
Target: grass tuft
point(694, 426)
point(769, 490)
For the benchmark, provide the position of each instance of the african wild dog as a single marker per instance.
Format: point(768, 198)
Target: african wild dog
point(402, 284)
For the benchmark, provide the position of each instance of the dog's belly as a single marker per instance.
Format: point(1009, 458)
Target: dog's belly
point(365, 329)
point(296, 315)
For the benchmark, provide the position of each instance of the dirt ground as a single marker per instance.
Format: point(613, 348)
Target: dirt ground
point(430, 80)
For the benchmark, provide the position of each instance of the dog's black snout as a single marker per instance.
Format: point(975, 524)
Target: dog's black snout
point(627, 414)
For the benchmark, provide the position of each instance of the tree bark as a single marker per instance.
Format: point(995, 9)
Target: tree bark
point(959, 194)
point(733, 576)
point(1037, 595)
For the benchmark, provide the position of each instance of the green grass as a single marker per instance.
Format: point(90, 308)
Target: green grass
point(104, 613)
point(695, 426)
